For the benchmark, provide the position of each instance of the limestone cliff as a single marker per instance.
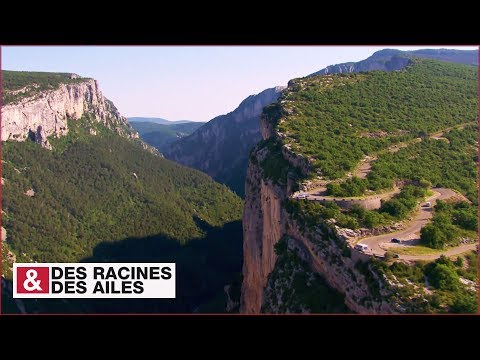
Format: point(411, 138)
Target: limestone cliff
point(271, 178)
point(41, 114)
point(263, 226)
point(221, 147)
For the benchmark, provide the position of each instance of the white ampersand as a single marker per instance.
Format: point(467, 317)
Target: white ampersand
point(31, 276)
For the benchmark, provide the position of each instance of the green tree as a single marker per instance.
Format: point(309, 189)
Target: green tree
point(432, 236)
point(465, 304)
point(395, 208)
point(373, 219)
point(443, 277)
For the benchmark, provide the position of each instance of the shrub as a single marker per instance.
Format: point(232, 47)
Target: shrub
point(459, 262)
point(394, 208)
point(373, 219)
point(347, 222)
point(443, 277)
point(433, 237)
point(425, 183)
point(465, 304)
point(351, 187)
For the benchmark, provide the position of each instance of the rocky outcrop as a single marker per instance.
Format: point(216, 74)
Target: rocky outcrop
point(220, 148)
point(45, 114)
point(30, 193)
point(266, 222)
point(351, 235)
point(390, 63)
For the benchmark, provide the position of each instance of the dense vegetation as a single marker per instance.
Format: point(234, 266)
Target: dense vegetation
point(449, 294)
point(338, 119)
point(161, 136)
point(32, 83)
point(353, 186)
point(401, 205)
point(450, 223)
point(89, 193)
point(450, 164)
point(104, 197)
point(6, 264)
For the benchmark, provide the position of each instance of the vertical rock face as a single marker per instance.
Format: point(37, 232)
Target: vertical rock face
point(263, 226)
point(46, 113)
point(262, 229)
point(220, 148)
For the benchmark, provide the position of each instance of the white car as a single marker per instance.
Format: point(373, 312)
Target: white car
point(302, 196)
point(361, 247)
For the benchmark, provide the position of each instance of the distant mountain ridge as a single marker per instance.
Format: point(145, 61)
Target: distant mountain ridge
point(221, 147)
point(392, 59)
point(161, 136)
point(157, 120)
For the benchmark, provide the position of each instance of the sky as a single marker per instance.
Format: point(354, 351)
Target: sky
point(185, 82)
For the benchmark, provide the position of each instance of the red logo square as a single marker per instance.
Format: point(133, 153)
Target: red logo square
point(33, 280)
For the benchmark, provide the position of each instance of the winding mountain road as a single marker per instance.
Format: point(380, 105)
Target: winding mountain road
point(364, 167)
point(411, 233)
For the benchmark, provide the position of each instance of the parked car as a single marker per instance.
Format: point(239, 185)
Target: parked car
point(395, 240)
point(302, 196)
point(396, 256)
point(361, 247)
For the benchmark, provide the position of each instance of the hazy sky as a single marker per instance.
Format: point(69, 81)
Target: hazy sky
point(185, 82)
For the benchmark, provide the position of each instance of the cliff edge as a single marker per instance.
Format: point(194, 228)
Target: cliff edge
point(42, 107)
